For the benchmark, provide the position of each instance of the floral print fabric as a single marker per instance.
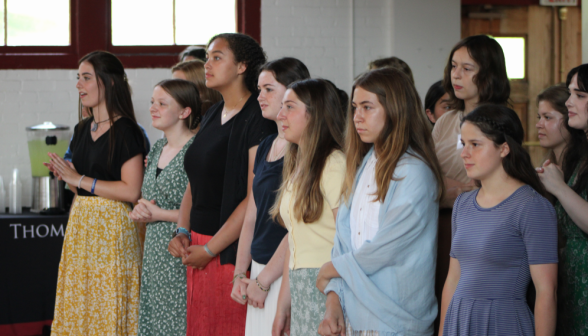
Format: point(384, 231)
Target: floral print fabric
point(572, 296)
point(99, 272)
point(163, 281)
point(308, 304)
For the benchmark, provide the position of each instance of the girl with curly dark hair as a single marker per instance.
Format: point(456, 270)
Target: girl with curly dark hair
point(219, 165)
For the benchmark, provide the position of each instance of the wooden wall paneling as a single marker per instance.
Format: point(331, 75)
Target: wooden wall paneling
point(540, 70)
point(515, 20)
point(572, 41)
point(555, 50)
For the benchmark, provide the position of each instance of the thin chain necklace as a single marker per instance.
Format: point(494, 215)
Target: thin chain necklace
point(225, 115)
point(95, 127)
point(273, 155)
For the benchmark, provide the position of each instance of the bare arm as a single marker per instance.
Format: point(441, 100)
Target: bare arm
point(545, 280)
point(128, 189)
point(178, 246)
point(282, 320)
point(575, 206)
point(239, 291)
point(449, 289)
point(275, 267)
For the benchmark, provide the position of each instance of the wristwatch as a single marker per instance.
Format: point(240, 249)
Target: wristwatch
point(183, 231)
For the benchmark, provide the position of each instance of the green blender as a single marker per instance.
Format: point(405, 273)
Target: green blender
point(47, 189)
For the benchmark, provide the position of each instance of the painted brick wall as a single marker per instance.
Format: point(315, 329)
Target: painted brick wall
point(334, 38)
point(30, 97)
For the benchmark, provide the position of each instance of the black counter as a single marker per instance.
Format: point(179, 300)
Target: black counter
point(30, 250)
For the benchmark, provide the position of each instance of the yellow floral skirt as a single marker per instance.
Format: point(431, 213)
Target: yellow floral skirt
point(100, 271)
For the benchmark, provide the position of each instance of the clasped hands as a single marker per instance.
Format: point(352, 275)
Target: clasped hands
point(246, 291)
point(551, 176)
point(194, 256)
point(145, 211)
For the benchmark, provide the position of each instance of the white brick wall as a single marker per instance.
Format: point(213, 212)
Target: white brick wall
point(334, 38)
point(30, 97)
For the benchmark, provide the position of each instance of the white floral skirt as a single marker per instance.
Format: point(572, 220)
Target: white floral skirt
point(308, 304)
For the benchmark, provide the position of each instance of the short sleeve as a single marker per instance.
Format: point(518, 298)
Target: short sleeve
point(333, 177)
point(132, 142)
point(454, 223)
point(538, 228)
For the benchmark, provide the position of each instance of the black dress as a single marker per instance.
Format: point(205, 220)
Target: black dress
point(217, 166)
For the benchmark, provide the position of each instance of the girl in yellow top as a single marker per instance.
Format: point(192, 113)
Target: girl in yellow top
point(314, 169)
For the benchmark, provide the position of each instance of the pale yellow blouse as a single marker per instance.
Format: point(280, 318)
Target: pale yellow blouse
point(447, 138)
point(311, 244)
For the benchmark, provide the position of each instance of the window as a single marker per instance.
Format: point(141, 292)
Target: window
point(170, 22)
point(92, 25)
point(35, 23)
point(514, 55)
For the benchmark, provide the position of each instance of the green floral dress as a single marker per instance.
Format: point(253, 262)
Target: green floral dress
point(163, 281)
point(572, 297)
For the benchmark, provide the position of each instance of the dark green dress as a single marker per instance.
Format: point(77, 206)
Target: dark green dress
point(572, 296)
point(163, 281)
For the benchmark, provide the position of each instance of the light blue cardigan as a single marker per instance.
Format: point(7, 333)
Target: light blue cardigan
point(388, 284)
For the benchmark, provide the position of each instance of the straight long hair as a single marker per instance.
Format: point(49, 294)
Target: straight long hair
point(110, 74)
point(502, 125)
point(405, 126)
point(304, 162)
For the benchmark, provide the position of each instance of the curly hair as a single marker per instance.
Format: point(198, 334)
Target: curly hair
point(247, 51)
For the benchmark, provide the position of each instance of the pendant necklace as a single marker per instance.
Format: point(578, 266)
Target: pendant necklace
point(225, 114)
point(95, 127)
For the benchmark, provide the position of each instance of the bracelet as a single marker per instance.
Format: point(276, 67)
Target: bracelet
point(183, 231)
point(240, 275)
point(209, 251)
point(262, 287)
point(80, 182)
point(93, 185)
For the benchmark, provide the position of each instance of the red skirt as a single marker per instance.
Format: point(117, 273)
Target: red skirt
point(211, 311)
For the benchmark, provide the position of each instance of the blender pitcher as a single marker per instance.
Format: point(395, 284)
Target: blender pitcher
point(47, 189)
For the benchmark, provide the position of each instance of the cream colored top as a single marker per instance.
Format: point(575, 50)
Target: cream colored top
point(447, 138)
point(311, 244)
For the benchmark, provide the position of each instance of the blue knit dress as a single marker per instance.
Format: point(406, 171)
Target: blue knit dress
point(494, 247)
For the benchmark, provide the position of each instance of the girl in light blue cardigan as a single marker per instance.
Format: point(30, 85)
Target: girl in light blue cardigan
point(382, 274)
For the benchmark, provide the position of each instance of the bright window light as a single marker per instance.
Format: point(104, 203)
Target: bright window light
point(514, 55)
point(151, 22)
point(37, 23)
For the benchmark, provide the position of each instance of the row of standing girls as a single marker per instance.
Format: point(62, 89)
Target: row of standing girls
point(343, 199)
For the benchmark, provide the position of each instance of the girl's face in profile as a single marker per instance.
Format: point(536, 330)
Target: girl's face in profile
point(577, 106)
point(271, 93)
point(369, 116)
point(90, 88)
point(293, 117)
point(221, 69)
point(165, 111)
point(551, 131)
point(463, 70)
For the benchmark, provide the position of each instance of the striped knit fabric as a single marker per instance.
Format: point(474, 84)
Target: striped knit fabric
point(494, 247)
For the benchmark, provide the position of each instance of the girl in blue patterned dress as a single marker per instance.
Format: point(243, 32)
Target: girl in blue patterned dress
point(503, 236)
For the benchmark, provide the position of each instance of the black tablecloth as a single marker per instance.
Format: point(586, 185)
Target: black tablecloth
point(30, 250)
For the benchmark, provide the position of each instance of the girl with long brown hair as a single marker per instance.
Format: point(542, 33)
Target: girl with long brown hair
point(99, 272)
point(387, 221)
point(504, 235)
point(314, 168)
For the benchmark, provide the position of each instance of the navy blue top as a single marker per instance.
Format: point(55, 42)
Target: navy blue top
point(494, 247)
point(268, 177)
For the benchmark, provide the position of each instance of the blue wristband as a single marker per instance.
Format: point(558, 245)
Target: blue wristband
point(184, 231)
point(93, 185)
